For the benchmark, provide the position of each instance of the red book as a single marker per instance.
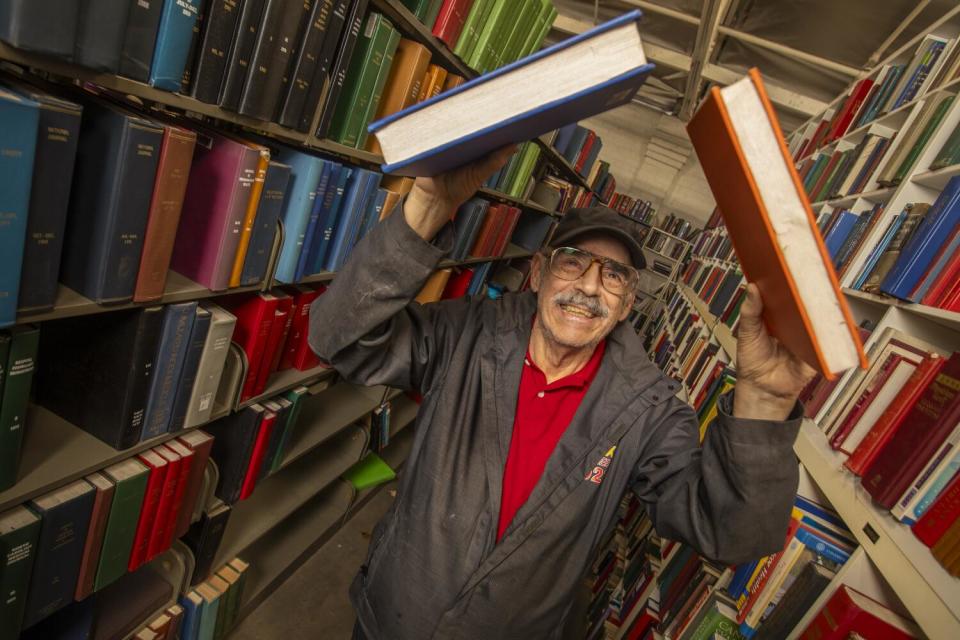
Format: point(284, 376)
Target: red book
point(254, 314)
point(940, 515)
point(506, 231)
point(489, 226)
point(148, 510)
point(183, 482)
point(279, 326)
point(817, 137)
point(849, 611)
point(284, 334)
point(305, 358)
point(850, 107)
point(259, 451)
point(200, 443)
point(585, 151)
point(458, 284)
point(303, 297)
point(862, 403)
point(930, 420)
point(888, 423)
point(158, 533)
point(951, 301)
point(95, 531)
point(450, 19)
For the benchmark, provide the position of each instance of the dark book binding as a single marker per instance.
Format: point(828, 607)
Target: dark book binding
point(277, 39)
point(101, 26)
point(238, 61)
point(348, 42)
point(204, 538)
point(171, 354)
point(191, 364)
point(320, 82)
point(305, 64)
point(43, 26)
point(115, 171)
point(16, 376)
point(265, 226)
point(216, 34)
point(19, 532)
point(175, 38)
point(234, 437)
point(94, 371)
point(140, 39)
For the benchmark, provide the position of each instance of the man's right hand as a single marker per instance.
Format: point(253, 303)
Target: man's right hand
point(433, 201)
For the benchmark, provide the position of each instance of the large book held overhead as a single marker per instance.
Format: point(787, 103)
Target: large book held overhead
point(738, 140)
point(574, 79)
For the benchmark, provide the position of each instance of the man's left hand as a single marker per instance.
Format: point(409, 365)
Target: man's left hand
point(769, 377)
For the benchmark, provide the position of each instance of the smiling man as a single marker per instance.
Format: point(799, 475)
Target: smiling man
point(539, 410)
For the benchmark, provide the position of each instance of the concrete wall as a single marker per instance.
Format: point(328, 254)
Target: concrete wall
point(651, 157)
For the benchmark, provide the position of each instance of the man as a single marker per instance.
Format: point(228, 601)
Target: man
point(538, 411)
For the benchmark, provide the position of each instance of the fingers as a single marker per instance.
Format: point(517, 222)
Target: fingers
point(751, 318)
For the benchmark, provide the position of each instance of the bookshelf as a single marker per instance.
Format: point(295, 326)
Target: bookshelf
point(412, 28)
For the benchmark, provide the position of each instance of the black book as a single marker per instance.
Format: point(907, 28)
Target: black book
point(238, 63)
point(204, 538)
point(216, 34)
point(348, 42)
point(234, 436)
point(94, 371)
point(65, 516)
point(188, 375)
point(305, 63)
point(140, 39)
point(101, 25)
point(43, 26)
point(113, 184)
point(277, 39)
point(280, 406)
point(186, 82)
point(19, 532)
point(56, 151)
point(73, 622)
point(799, 597)
point(265, 226)
point(320, 82)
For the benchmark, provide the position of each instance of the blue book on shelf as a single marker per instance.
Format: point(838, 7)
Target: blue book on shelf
point(191, 366)
point(374, 212)
point(269, 210)
point(924, 243)
point(304, 175)
point(354, 206)
point(18, 139)
point(944, 255)
point(838, 232)
point(479, 278)
point(878, 250)
point(316, 211)
point(174, 35)
point(563, 137)
point(822, 546)
point(171, 354)
point(326, 230)
point(575, 146)
point(592, 157)
point(528, 124)
point(192, 613)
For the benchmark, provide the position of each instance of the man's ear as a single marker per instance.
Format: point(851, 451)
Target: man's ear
point(536, 272)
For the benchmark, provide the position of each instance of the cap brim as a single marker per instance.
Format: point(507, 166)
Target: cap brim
point(636, 251)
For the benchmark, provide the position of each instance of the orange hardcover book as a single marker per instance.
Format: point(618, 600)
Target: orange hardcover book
point(250, 217)
point(738, 140)
point(432, 83)
point(403, 84)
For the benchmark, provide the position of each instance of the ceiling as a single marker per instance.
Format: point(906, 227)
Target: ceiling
point(807, 50)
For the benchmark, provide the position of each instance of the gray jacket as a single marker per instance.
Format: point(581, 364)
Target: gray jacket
point(434, 568)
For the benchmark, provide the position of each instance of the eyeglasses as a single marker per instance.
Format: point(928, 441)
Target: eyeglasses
point(569, 263)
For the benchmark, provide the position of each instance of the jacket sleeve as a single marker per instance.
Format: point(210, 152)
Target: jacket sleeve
point(367, 327)
point(731, 498)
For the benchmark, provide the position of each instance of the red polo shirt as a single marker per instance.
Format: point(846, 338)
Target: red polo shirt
point(544, 412)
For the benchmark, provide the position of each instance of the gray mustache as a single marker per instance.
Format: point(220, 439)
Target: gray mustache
point(591, 304)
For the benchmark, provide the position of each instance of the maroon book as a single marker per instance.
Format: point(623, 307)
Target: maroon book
point(303, 297)
point(255, 315)
point(278, 332)
point(931, 420)
point(200, 443)
point(450, 19)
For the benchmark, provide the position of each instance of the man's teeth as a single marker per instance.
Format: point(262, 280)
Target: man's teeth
point(577, 311)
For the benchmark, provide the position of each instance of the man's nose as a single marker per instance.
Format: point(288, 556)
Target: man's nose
point(590, 282)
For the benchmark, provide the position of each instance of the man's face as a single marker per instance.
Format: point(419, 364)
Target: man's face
point(579, 313)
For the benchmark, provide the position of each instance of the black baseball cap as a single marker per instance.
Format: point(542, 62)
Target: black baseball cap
point(580, 221)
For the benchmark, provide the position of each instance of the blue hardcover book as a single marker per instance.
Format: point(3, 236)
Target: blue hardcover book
point(191, 363)
point(466, 225)
point(479, 278)
point(563, 137)
point(492, 181)
point(837, 234)
point(878, 250)
point(325, 237)
point(608, 67)
point(575, 146)
point(818, 511)
point(304, 175)
point(18, 142)
point(360, 218)
point(944, 256)
point(174, 36)
point(825, 548)
point(171, 354)
point(354, 206)
point(316, 208)
point(208, 618)
point(265, 226)
point(740, 578)
point(374, 212)
point(926, 240)
point(192, 604)
point(326, 203)
point(885, 92)
point(592, 157)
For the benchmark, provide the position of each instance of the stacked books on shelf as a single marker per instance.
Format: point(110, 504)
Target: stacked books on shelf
point(514, 178)
point(580, 147)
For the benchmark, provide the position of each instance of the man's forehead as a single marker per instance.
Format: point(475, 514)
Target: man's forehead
point(603, 245)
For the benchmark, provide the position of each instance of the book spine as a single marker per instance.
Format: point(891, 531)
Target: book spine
point(179, 498)
point(265, 229)
point(174, 38)
point(93, 544)
point(256, 458)
point(18, 142)
point(217, 30)
point(121, 527)
point(236, 213)
point(305, 64)
point(352, 27)
point(321, 81)
point(327, 221)
point(19, 547)
point(940, 516)
point(390, 49)
point(44, 26)
point(361, 79)
point(211, 367)
point(250, 218)
point(19, 365)
point(319, 200)
point(171, 353)
point(101, 25)
point(158, 531)
point(140, 39)
point(201, 454)
point(149, 326)
point(191, 365)
point(148, 512)
point(241, 50)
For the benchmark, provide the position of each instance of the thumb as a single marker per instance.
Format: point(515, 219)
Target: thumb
point(751, 314)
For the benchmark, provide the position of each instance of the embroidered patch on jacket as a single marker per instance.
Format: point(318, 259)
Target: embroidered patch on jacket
point(596, 474)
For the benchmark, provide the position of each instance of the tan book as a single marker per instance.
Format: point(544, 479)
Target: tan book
point(392, 199)
point(403, 84)
point(160, 626)
point(434, 287)
point(399, 184)
point(432, 83)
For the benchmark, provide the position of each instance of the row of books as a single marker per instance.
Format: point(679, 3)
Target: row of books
point(18, 356)
point(487, 34)
point(721, 287)
point(639, 210)
point(580, 147)
point(935, 63)
point(209, 610)
point(917, 258)
point(846, 171)
point(714, 243)
point(667, 245)
point(514, 177)
point(86, 535)
point(483, 229)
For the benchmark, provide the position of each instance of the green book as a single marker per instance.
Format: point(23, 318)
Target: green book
point(361, 80)
point(716, 622)
point(520, 30)
point(378, 86)
point(509, 170)
point(544, 30)
point(814, 175)
point(482, 50)
point(294, 396)
point(21, 361)
point(471, 28)
point(130, 477)
point(369, 472)
point(922, 141)
point(19, 532)
point(527, 161)
point(542, 12)
point(834, 170)
point(430, 15)
point(510, 19)
point(223, 610)
point(417, 7)
point(950, 152)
